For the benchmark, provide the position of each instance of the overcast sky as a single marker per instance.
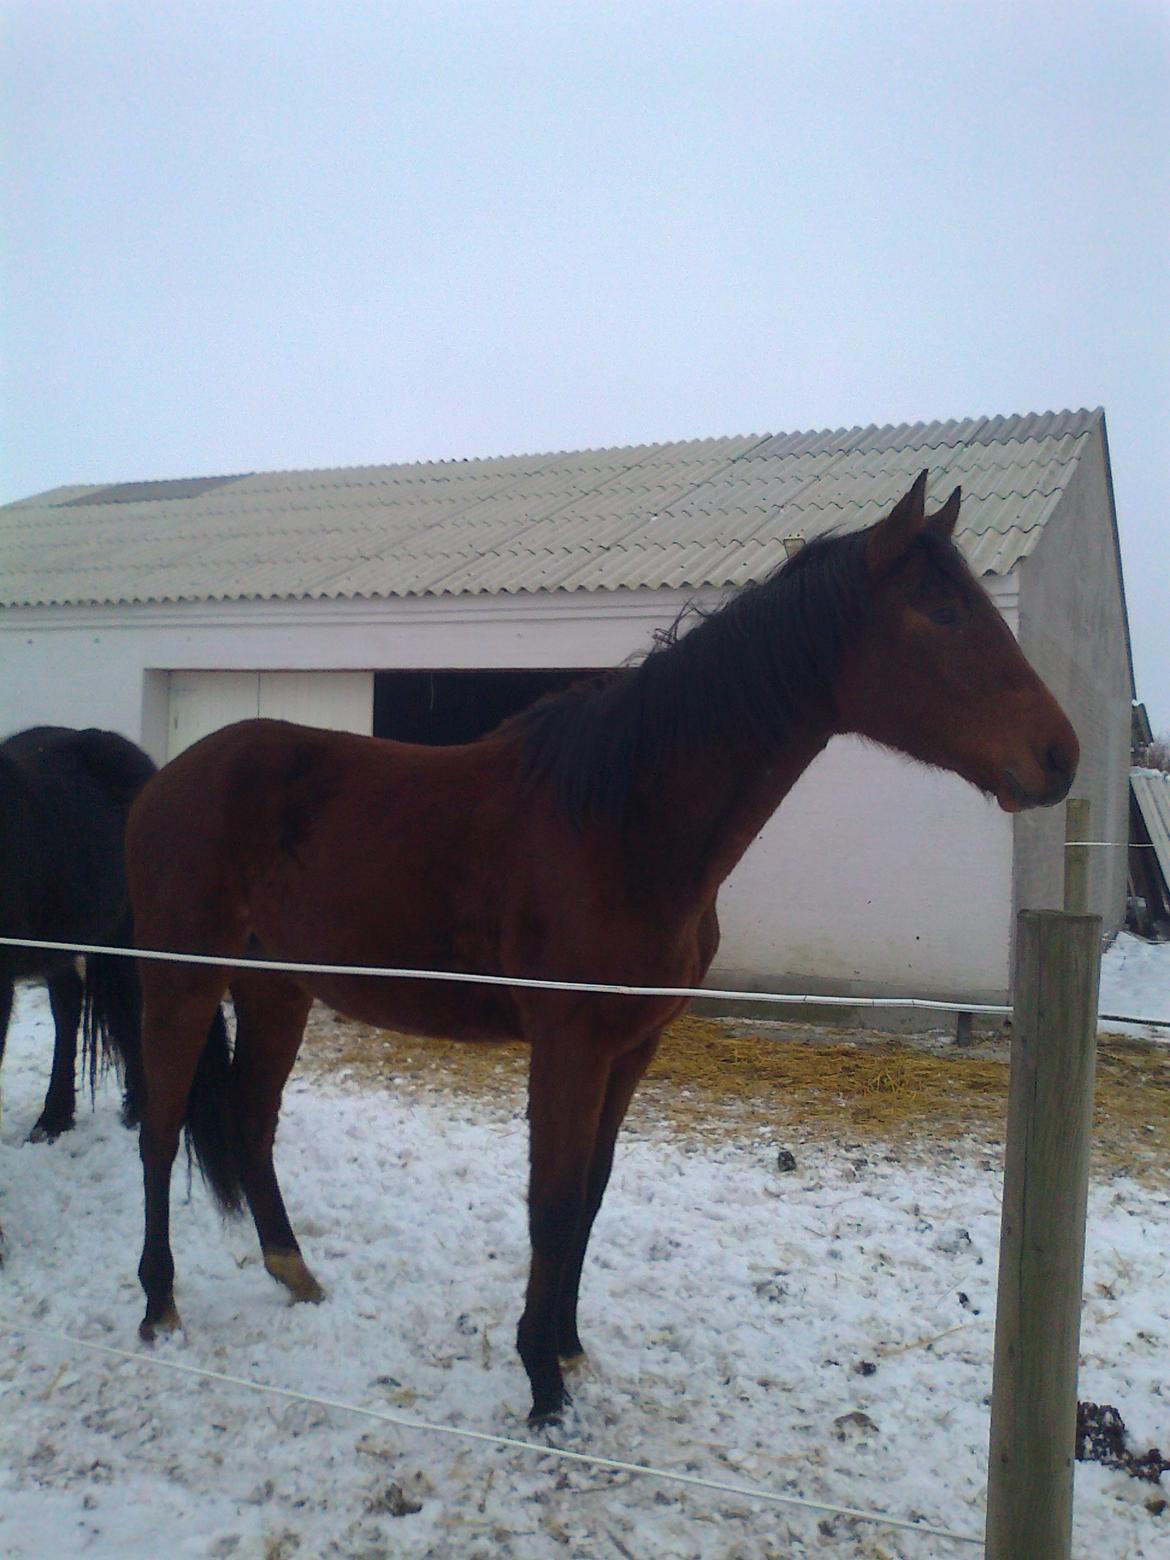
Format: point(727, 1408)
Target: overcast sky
point(244, 236)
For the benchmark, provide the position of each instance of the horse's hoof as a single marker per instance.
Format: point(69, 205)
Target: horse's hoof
point(168, 1321)
point(288, 1268)
point(547, 1414)
point(49, 1131)
point(547, 1419)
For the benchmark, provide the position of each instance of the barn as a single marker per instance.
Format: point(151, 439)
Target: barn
point(428, 601)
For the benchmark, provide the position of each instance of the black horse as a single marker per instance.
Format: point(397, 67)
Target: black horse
point(64, 799)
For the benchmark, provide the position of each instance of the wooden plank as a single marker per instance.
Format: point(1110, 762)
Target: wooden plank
point(1042, 1238)
point(1076, 856)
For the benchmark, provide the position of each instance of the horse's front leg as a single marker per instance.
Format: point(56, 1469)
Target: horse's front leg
point(566, 1090)
point(65, 996)
point(624, 1077)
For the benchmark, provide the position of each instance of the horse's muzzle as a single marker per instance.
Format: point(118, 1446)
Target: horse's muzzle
point(1055, 771)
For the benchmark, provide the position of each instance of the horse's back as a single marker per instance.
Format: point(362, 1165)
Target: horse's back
point(282, 815)
point(266, 785)
point(68, 756)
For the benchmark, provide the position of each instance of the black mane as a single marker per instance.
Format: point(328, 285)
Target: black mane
point(755, 669)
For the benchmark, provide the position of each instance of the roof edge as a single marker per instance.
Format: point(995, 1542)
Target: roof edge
point(755, 439)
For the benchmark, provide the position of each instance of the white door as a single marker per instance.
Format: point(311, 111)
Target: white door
point(339, 701)
point(200, 702)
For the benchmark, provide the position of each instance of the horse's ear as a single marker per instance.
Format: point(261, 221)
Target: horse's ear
point(890, 537)
point(942, 522)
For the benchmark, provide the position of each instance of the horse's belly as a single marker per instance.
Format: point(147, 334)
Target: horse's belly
point(441, 1009)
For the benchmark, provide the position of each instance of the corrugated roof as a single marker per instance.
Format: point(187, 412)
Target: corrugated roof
point(1151, 790)
point(703, 512)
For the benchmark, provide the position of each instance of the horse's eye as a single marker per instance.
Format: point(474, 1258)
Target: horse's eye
point(946, 616)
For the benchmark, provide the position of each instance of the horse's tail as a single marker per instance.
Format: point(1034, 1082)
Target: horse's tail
point(111, 1023)
point(211, 1124)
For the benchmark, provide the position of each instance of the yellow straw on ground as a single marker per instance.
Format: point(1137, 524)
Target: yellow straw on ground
point(720, 1078)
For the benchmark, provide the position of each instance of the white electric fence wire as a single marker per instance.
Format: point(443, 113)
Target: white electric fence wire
point(531, 983)
point(512, 1443)
point(990, 1009)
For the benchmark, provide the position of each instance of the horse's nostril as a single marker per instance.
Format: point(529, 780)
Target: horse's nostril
point(1059, 762)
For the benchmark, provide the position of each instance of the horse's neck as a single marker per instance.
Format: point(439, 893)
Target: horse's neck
point(708, 810)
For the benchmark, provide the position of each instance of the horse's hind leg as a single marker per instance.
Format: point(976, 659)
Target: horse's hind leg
point(270, 1021)
point(65, 995)
point(6, 995)
point(625, 1075)
point(179, 1010)
point(7, 992)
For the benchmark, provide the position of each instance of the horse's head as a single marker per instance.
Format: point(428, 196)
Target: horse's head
point(937, 673)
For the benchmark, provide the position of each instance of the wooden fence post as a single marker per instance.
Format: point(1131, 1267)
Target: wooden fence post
point(1042, 1237)
point(1076, 856)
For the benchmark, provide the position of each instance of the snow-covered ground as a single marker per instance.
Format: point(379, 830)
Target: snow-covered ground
point(825, 1333)
point(1135, 980)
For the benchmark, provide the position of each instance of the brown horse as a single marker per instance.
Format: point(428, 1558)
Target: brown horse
point(584, 839)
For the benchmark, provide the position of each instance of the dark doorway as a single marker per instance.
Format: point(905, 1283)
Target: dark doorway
point(440, 708)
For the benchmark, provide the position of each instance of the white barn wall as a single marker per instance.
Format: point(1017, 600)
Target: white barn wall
point(875, 876)
point(105, 666)
point(1072, 617)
